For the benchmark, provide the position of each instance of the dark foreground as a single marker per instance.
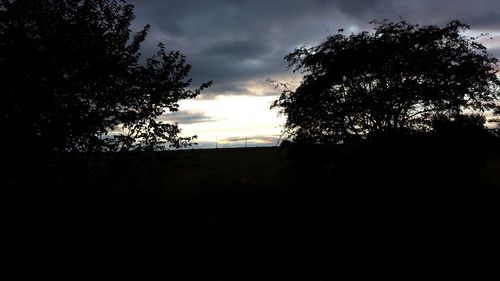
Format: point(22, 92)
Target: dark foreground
point(405, 210)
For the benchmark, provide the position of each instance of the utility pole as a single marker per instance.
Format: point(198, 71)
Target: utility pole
point(246, 143)
point(216, 145)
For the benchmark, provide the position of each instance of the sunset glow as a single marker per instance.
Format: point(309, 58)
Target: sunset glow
point(230, 120)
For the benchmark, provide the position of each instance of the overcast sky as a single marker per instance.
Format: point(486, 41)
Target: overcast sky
point(238, 44)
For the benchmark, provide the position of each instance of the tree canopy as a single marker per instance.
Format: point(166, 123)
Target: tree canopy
point(72, 79)
point(400, 77)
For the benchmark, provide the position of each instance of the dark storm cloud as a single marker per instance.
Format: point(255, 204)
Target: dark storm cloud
point(237, 48)
point(233, 42)
point(479, 14)
point(239, 87)
point(187, 117)
point(488, 21)
point(254, 138)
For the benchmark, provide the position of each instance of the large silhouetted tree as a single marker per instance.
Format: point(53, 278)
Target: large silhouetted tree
point(71, 79)
point(400, 77)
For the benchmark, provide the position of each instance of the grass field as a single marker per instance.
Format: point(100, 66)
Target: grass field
point(416, 210)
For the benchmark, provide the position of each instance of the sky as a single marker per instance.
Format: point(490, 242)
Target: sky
point(239, 44)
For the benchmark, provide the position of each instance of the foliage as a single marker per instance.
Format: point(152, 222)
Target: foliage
point(397, 78)
point(72, 79)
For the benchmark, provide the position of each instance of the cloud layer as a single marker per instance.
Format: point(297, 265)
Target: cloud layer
point(233, 42)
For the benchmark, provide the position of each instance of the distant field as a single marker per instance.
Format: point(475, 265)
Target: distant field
point(182, 169)
point(242, 167)
point(406, 211)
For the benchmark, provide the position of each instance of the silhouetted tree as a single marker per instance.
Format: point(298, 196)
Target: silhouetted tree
point(461, 127)
point(72, 81)
point(398, 78)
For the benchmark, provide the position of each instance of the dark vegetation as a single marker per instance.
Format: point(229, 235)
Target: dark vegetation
point(399, 79)
point(72, 79)
point(420, 208)
point(388, 172)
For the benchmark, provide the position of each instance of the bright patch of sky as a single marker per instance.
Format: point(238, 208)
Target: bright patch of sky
point(232, 120)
